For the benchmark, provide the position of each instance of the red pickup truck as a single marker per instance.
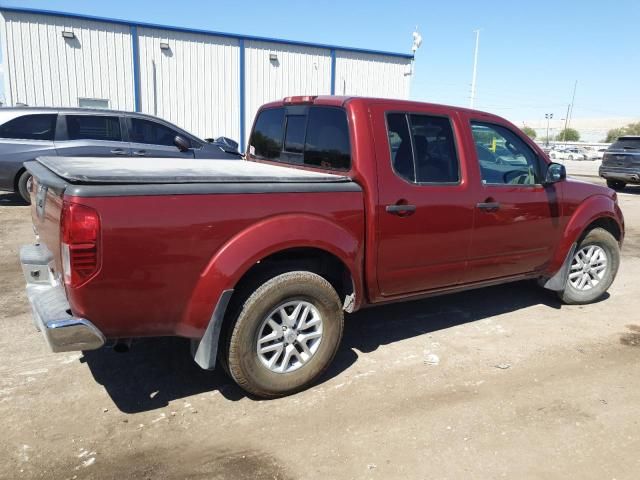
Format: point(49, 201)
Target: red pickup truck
point(342, 203)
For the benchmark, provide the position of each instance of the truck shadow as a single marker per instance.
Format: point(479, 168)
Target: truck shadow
point(159, 370)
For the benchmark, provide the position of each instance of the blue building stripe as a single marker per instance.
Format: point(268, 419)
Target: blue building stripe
point(333, 71)
point(136, 67)
point(242, 97)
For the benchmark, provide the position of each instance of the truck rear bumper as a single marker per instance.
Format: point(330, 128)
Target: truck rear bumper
point(51, 311)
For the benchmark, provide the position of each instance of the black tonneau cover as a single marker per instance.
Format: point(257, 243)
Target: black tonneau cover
point(119, 170)
point(112, 177)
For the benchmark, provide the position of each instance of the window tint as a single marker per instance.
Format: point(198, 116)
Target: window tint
point(327, 144)
point(93, 127)
point(266, 139)
point(146, 131)
point(504, 157)
point(30, 127)
point(626, 143)
point(294, 136)
point(422, 148)
point(400, 143)
point(321, 133)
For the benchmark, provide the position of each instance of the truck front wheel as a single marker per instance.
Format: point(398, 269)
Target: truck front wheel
point(286, 334)
point(593, 268)
point(617, 185)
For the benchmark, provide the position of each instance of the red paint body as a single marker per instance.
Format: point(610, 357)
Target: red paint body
point(165, 260)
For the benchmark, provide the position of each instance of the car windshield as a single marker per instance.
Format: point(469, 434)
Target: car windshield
point(626, 144)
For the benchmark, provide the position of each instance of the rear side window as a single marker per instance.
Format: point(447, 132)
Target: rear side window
point(30, 127)
point(422, 148)
point(93, 127)
point(146, 131)
point(314, 136)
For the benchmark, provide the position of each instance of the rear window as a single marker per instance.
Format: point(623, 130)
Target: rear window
point(93, 127)
point(626, 144)
point(314, 136)
point(30, 127)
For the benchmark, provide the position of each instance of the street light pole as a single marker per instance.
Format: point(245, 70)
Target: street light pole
point(548, 116)
point(475, 69)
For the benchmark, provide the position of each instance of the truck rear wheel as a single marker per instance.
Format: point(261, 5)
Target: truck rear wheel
point(593, 268)
point(286, 334)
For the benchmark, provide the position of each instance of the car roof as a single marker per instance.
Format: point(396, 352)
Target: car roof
point(103, 111)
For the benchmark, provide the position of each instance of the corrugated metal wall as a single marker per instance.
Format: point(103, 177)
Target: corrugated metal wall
point(297, 71)
point(365, 74)
point(46, 69)
point(194, 84)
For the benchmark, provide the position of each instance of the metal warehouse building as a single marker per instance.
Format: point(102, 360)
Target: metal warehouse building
point(209, 83)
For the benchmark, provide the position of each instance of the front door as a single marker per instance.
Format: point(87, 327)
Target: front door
point(153, 139)
point(424, 212)
point(517, 219)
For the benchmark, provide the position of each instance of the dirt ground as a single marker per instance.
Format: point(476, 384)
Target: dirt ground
point(500, 382)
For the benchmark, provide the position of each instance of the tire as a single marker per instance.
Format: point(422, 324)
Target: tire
point(617, 185)
point(600, 239)
point(250, 370)
point(23, 191)
point(553, 156)
point(570, 157)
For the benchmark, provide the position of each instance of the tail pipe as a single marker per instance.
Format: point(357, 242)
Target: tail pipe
point(122, 345)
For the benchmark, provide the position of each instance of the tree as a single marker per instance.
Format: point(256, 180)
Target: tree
point(614, 133)
point(568, 135)
point(530, 132)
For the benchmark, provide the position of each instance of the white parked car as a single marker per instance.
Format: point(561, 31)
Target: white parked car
point(568, 154)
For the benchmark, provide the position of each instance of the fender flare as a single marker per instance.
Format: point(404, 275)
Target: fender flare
point(260, 240)
point(592, 209)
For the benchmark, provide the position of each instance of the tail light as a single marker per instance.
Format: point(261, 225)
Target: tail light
point(80, 233)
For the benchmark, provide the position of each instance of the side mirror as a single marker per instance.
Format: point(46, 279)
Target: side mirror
point(555, 173)
point(227, 144)
point(182, 143)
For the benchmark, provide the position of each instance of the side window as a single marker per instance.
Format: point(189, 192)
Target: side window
point(93, 127)
point(30, 127)
point(504, 158)
point(401, 148)
point(422, 148)
point(327, 144)
point(153, 133)
point(266, 139)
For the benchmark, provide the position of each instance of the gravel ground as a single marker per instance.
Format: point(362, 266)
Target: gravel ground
point(499, 382)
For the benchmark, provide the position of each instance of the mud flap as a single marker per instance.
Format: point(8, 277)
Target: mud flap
point(205, 350)
point(558, 282)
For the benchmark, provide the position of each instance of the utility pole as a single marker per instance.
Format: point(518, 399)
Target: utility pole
point(475, 69)
point(566, 120)
point(548, 116)
point(573, 99)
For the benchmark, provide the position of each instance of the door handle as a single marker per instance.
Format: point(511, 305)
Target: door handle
point(140, 153)
point(489, 206)
point(118, 151)
point(400, 209)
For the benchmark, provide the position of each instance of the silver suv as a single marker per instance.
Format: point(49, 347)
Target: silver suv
point(27, 133)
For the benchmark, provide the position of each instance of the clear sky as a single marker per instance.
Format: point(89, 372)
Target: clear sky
point(531, 53)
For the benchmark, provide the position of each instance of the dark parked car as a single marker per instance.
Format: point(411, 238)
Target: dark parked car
point(621, 162)
point(27, 133)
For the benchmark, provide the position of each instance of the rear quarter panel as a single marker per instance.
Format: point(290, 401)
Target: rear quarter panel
point(164, 264)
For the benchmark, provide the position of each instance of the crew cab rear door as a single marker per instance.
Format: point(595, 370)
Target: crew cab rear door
point(517, 218)
point(425, 208)
point(91, 135)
